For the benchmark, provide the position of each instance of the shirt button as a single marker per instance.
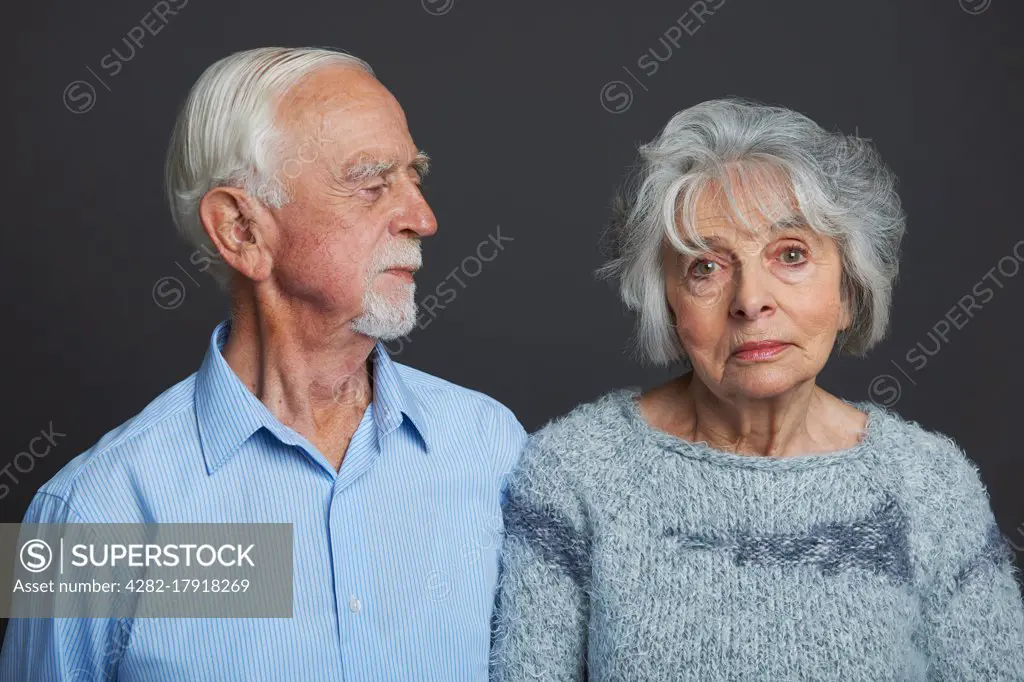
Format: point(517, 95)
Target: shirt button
point(354, 605)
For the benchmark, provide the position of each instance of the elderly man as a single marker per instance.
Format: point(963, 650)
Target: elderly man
point(297, 166)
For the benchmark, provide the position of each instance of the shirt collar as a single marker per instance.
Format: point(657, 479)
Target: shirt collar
point(393, 399)
point(228, 413)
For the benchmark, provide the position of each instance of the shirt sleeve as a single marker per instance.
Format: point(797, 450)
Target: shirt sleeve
point(510, 437)
point(44, 649)
point(973, 613)
point(544, 576)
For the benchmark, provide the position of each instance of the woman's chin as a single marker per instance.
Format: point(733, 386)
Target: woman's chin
point(761, 381)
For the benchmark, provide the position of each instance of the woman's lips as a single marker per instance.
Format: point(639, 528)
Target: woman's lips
point(761, 351)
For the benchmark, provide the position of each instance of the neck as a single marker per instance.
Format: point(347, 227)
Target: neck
point(775, 426)
point(310, 369)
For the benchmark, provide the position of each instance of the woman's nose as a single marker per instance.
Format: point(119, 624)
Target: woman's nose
point(752, 296)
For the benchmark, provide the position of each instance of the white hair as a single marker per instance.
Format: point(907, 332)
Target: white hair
point(225, 134)
point(842, 189)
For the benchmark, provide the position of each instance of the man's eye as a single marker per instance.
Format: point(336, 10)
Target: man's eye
point(373, 191)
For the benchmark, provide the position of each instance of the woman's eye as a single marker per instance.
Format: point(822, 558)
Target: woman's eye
point(704, 268)
point(800, 254)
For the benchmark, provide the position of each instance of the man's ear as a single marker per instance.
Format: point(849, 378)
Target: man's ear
point(240, 228)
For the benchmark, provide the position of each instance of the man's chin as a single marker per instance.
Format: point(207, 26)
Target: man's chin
point(394, 336)
point(397, 330)
point(395, 290)
point(387, 318)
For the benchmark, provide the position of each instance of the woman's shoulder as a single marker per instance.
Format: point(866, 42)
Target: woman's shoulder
point(948, 502)
point(586, 433)
point(930, 459)
point(603, 417)
point(564, 457)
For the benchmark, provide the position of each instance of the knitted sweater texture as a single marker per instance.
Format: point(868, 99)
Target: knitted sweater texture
point(630, 554)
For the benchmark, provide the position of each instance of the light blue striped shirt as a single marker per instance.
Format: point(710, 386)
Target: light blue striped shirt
point(396, 555)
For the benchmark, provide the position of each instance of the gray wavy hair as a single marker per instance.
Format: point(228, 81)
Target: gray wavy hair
point(842, 188)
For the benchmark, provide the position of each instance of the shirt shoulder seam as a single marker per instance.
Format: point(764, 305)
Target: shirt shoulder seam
point(118, 441)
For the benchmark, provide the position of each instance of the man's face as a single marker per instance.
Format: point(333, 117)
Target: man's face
point(347, 243)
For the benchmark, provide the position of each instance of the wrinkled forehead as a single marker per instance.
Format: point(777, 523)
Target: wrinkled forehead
point(340, 114)
point(749, 200)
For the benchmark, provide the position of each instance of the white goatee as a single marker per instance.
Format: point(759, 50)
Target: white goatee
point(382, 317)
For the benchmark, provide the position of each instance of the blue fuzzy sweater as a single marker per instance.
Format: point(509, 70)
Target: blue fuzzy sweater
point(644, 557)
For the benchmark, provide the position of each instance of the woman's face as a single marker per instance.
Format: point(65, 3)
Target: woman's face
point(781, 284)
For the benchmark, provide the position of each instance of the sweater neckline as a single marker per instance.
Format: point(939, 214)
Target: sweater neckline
point(703, 451)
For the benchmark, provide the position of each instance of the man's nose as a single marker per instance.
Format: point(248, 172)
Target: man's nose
point(416, 215)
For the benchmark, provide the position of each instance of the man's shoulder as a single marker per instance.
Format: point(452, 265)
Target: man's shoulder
point(440, 395)
point(466, 414)
point(158, 430)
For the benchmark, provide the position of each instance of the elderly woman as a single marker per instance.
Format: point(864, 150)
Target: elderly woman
point(739, 522)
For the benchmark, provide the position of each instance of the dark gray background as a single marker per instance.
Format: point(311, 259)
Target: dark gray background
point(506, 97)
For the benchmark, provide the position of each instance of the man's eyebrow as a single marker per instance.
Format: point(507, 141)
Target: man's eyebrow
point(361, 171)
point(421, 164)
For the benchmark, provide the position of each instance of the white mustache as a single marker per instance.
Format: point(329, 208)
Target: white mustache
point(405, 254)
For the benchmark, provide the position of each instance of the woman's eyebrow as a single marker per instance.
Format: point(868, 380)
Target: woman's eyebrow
point(789, 222)
point(796, 222)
